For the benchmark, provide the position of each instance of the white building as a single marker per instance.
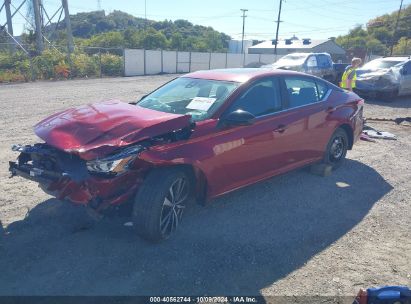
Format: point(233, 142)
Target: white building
point(234, 46)
point(292, 45)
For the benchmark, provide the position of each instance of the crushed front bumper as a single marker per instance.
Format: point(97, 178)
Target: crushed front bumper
point(78, 187)
point(34, 174)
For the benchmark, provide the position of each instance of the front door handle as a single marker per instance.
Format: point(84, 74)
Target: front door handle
point(331, 109)
point(280, 129)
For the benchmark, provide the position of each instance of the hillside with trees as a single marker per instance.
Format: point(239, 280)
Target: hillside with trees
point(378, 35)
point(119, 29)
point(99, 40)
point(116, 30)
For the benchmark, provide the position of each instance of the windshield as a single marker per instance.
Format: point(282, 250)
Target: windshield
point(199, 98)
point(292, 59)
point(380, 64)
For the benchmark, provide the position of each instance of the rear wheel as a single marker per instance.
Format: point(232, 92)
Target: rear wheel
point(336, 149)
point(389, 96)
point(159, 204)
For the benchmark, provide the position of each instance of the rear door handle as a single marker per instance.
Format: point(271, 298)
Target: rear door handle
point(331, 109)
point(280, 129)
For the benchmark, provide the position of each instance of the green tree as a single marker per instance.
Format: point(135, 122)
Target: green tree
point(352, 42)
point(152, 40)
point(109, 39)
point(177, 41)
point(132, 38)
point(105, 26)
point(403, 47)
point(358, 31)
point(214, 41)
point(378, 37)
point(382, 34)
point(375, 47)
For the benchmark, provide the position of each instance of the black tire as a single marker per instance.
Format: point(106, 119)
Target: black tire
point(157, 211)
point(336, 149)
point(389, 96)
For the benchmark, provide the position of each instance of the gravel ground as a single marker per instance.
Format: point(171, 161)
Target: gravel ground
point(331, 236)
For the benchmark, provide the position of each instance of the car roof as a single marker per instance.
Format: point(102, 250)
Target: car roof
point(399, 59)
point(239, 74)
point(306, 53)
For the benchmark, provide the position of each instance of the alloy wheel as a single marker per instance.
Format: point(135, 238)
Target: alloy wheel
point(173, 206)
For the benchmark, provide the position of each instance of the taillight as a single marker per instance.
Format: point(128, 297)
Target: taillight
point(360, 102)
point(361, 298)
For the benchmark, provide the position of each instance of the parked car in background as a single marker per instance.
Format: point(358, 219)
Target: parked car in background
point(317, 64)
point(386, 77)
point(201, 135)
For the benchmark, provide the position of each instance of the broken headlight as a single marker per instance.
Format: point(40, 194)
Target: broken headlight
point(115, 163)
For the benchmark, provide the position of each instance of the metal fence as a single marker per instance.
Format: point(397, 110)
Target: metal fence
point(151, 62)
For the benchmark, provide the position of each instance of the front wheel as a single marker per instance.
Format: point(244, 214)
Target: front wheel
point(160, 203)
point(336, 149)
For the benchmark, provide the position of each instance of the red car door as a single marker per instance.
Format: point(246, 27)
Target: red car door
point(245, 154)
point(287, 137)
point(307, 102)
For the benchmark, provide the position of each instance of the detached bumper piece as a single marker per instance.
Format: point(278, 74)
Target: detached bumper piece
point(35, 174)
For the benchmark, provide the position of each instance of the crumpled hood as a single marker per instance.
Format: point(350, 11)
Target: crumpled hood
point(100, 128)
point(392, 75)
point(371, 73)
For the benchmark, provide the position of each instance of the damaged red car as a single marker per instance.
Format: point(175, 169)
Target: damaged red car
point(198, 136)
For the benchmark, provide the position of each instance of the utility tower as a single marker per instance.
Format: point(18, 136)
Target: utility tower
point(9, 24)
point(242, 36)
point(42, 20)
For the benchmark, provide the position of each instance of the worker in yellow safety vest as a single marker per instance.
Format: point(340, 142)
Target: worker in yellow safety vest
point(350, 75)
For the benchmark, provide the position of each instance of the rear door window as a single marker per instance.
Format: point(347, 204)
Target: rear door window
point(262, 98)
point(322, 89)
point(323, 62)
point(304, 91)
point(312, 62)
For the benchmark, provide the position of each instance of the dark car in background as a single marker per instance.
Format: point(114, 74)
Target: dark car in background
point(199, 136)
point(317, 64)
point(386, 77)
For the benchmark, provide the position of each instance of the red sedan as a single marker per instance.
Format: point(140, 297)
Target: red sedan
point(203, 134)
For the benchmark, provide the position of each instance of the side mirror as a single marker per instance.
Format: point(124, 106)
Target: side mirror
point(238, 118)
